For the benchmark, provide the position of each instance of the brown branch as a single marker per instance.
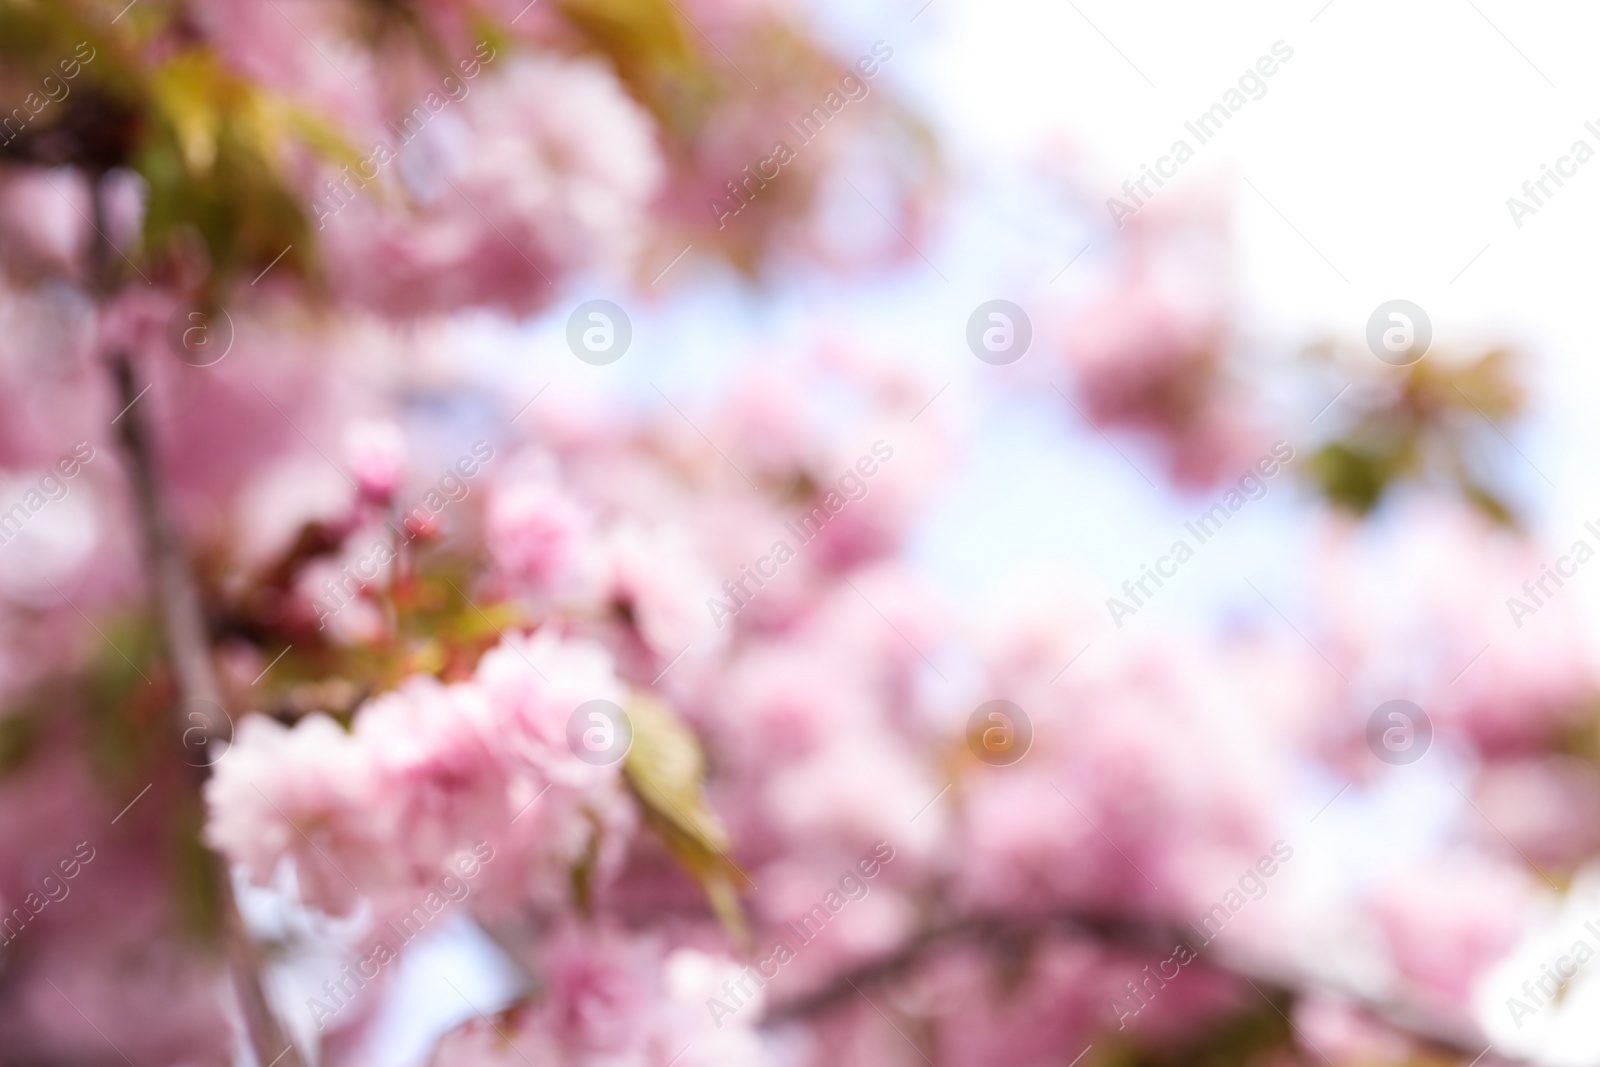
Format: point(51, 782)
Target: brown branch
point(1279, 984)
point(177, 598)
point(188, 647)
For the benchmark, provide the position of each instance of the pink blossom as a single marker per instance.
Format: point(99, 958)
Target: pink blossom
point(1417, 608)
point(610, 1000)
point(42, 227)
point(545, 188)
point(427, 770)
point(376, 453)
point(311, 793)
point(531, 686)
point(1548, 806)
point(432, 747)
point(1125, 758)
point(1151, 351)
point(1449, 919)
point(537, 535)
point(1341, 1031)
point(657, 581)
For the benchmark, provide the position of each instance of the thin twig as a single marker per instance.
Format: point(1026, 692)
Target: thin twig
point(188, 646)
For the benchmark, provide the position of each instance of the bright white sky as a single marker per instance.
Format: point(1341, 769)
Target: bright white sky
point(1390, 141)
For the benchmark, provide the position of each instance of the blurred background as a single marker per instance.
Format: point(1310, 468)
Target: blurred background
point(674, 532)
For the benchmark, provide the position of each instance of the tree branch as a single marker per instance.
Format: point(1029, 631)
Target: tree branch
point(189, 649)
point(1277, 983)
point(177, 598)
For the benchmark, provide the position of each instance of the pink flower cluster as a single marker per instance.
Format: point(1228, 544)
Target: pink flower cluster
point(1152, 350)
point(379, 811)
point(501, 195)
point(612, 999)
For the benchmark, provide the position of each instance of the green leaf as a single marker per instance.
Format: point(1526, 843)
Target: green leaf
point(1350, 478)
point(666, 771)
